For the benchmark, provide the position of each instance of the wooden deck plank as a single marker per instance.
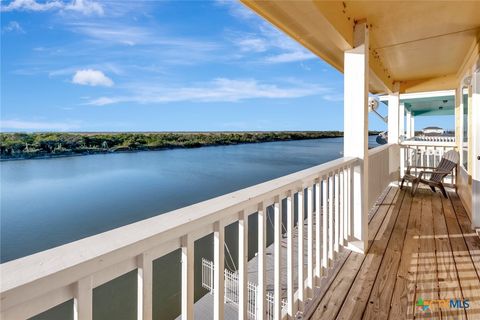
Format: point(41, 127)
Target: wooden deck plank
point(467, 275)
point(403, 299)
point(427, 281)
point(357, 298)
point(449, 286)
point(430, 252)
point(385, 199)
point(382, 291)
point(471, 238)
point(331, 302)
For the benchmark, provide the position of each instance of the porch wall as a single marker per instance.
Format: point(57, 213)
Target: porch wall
point(464, 183)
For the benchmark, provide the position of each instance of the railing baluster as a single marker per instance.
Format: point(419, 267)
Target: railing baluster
point(243, 299)
point(290, 257)
point(318, 252)
point(300, 249)
point(310, 277)
point(351, 192)
point(187, 277)
point(346, 195)
point(277, 301)
point(325, 224)
point(262, 271)
point(341, 209)
point(219, 270)
point(83, 303)
point(144, 287)
point(330, 221)
point(337, 212)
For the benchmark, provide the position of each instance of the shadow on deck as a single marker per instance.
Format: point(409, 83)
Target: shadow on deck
point(421, 249)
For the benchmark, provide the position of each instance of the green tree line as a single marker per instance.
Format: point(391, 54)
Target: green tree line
point(32, 145)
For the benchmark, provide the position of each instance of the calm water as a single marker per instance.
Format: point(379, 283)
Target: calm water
point(49, 202)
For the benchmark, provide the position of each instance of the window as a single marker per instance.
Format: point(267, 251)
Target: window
point(465, 128)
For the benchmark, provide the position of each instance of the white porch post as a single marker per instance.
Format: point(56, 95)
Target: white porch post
point(393, 115)
point(475, 118)
point(393, 130)
point(409, 125)
point(401, 120)
point(356, 130)
point(412, 126)
point(401, 136)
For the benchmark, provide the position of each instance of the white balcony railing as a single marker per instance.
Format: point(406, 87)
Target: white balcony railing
point(320, 196)
point(380, 174)
point(433, 138)
point(232, 292)
point(425, 154)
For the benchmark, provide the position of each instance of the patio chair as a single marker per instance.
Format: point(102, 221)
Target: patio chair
point(448, 162)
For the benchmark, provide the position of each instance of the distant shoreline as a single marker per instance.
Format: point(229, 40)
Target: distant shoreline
point(26, 146)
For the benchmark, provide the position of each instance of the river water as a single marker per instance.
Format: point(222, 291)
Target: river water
point(49, 202)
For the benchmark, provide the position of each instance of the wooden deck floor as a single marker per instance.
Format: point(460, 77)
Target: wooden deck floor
point(420, 248)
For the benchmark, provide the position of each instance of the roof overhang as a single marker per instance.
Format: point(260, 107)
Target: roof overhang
point(422, 45)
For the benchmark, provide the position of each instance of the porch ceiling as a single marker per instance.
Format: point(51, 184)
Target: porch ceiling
point(438, 103)
point(421, 44)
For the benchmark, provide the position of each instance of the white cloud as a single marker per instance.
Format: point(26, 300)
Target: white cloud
point(300, 55)
point(36, 125)
point(252, 44)
point(119, 33)
point(85, 7)
point(217, 90)
point(334, 97)
point(237, 9)
point(13, 26)
point(275, 44)
point(92, 77)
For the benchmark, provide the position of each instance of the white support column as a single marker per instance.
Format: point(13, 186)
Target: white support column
point(412, 126)
point(401, 131)
point(393, 131)
point(475, 118)
point(356, 71)
point(393, 116)
point(242, 265)
point(401, 120)
point(408, 121)
point(187, 277)
point(218, 271)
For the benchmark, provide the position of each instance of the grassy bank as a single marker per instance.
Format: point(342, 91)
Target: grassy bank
point(38, 145)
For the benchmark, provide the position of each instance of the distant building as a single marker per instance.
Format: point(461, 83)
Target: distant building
point(433, 131)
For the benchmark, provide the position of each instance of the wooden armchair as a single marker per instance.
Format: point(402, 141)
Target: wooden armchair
point(447, 164)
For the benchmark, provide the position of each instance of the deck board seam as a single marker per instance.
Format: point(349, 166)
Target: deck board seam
point(463, 235)
point(401, 255)
point(384, 196)
point(386, 248)
point(376, 233)
point(449, 230)
point(457, 273)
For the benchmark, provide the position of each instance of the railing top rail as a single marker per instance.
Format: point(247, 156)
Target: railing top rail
point(73, 261)
point(429, 143)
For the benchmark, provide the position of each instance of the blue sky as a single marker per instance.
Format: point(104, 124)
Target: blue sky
point(160, 66)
